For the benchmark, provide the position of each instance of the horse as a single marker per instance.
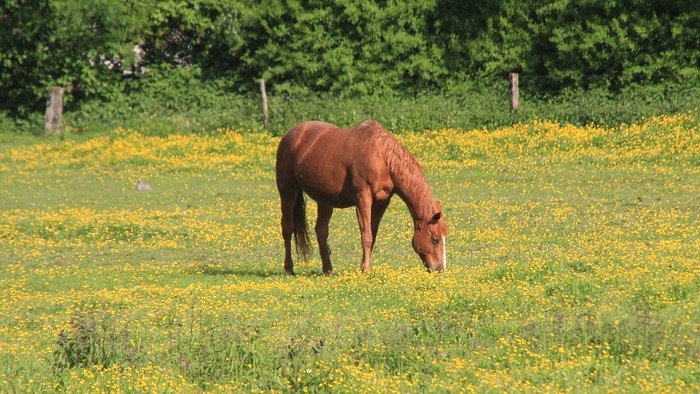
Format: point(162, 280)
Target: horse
point(362, 166)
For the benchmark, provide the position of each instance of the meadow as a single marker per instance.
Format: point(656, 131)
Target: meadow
point(573, 267)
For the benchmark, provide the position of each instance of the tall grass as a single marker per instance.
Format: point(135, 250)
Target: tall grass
point(165, 109)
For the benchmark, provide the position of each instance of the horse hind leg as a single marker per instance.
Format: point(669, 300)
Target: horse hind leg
point(324, 216)
point(287, 201)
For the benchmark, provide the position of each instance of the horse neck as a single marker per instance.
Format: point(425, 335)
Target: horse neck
point(411, 185)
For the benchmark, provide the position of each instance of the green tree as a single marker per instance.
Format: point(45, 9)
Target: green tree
point(359, 47)
point(350, 48)
point(22, 41)
point(85, 45)
point(559, 44)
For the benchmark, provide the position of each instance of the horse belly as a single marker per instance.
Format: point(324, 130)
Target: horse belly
point(326, 185)
point(339, 200)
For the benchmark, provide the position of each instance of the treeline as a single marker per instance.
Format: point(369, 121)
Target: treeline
point(106, 49)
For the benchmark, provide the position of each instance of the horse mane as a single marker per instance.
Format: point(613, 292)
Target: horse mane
point(405, 171)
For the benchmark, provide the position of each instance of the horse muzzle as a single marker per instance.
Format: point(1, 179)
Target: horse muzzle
point(435, 266)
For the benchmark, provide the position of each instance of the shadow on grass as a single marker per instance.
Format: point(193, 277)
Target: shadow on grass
point(262, 272)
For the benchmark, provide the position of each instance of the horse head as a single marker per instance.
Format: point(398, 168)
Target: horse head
point(429, 240)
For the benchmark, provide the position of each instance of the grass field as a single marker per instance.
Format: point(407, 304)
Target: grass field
point(574, 265)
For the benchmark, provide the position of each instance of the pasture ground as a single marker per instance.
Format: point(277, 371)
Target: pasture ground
point(573, 266)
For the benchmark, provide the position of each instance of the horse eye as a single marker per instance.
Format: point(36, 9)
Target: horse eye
point(435, 240)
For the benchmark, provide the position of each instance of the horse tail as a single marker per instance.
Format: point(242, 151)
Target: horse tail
point(301, 229)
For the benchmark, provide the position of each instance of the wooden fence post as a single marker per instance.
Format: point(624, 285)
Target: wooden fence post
point(266, 112)
point(514, 91)
point(54, 110)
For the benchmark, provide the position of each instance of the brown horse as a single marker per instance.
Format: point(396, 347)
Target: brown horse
point(363, 167)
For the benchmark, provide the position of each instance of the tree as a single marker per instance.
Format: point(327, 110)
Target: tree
point(86, 45)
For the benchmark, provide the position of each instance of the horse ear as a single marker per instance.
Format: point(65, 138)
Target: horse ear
point(437, 215)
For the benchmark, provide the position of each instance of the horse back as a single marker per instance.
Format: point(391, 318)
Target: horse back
point(330, 163)
point(322, 141)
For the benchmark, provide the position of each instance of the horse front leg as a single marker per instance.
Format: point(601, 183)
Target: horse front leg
point(364, 218)
point(378, 209)
point(324, 216)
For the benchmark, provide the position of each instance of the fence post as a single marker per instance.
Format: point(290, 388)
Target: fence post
point(54, 110)
point(266, 112)
point(514, 91)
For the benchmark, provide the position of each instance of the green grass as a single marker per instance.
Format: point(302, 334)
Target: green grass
point(572, 267)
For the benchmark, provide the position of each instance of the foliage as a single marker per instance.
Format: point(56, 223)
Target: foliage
point(566, 44)
point(349, 48)
point(86, 46)
point(110, 49)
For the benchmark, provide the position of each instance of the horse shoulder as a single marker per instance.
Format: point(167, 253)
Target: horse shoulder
point(370, 173)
